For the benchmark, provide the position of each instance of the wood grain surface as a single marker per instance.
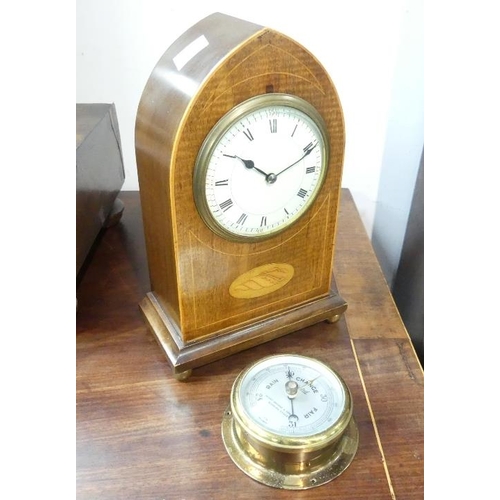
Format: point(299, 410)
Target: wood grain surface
point(141, 434)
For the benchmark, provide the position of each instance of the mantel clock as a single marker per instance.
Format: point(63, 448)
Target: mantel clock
point(239, 144)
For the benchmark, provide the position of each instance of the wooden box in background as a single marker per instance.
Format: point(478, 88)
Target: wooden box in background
point(99, 174)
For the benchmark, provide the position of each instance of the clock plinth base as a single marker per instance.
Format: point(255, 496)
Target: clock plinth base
point(183, 357)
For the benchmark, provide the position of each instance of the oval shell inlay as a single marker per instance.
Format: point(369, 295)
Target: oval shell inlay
point(261, 280)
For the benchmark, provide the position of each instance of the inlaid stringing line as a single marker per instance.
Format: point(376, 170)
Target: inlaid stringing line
point(375, 427)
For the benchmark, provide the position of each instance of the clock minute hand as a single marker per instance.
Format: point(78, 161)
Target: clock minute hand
point(307, 150)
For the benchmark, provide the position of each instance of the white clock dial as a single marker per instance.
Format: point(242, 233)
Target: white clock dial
point(261, 167)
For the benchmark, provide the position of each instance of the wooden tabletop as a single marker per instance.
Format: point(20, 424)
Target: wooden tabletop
point(141, 434)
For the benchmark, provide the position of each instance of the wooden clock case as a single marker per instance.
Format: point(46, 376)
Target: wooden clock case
point(215, 65)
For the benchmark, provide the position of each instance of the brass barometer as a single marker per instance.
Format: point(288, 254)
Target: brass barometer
point(290, 422)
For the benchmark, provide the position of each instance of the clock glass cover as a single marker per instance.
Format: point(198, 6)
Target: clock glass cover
point(261, 167)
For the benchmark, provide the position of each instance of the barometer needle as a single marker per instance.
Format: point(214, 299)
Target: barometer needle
point(309, 382)
point(291, 388)
point(292, 417)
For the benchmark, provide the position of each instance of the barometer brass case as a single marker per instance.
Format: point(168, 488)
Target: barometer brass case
point(281, 460)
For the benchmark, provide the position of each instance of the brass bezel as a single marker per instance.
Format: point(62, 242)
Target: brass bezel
point(220, 128)
point(290, 443)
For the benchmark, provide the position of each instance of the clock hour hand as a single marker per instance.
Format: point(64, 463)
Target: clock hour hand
point(307, 150)
point(270, 178)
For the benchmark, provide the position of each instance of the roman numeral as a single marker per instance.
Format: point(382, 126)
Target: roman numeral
point(242, 219)
point(224, 182)
point(263, 221)
point(294, 131)
point(286, 211)
point(308, 147)
point(310, 170)
point(226, 205)
point(248, 134)
point(302, 193)
point(273, 125)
